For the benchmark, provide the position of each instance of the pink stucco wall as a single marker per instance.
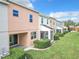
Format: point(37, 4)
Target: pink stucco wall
point(21, 25)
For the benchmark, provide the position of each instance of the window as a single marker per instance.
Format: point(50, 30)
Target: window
point(42, 20)
point(13, 40)
point(30, 18)
point(44, 34)
point(15, 13)
point(33, 35)
point(47, 21)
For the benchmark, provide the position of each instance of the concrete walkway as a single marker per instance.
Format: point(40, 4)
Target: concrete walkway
point(27, 49)
point(32, 48)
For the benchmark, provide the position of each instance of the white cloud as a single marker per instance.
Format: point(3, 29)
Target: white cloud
point(57, 14)
point(73, 15)
point(61, 14)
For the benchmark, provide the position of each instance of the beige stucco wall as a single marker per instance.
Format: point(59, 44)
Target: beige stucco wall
point(21, 25)
point(25, 38)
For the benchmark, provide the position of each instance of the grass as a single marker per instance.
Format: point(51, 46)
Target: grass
point(15, 53)
point(65, 48)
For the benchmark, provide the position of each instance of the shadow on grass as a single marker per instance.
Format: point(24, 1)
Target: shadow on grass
point(26, 56)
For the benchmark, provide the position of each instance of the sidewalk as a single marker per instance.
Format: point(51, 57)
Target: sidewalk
point(32, 48)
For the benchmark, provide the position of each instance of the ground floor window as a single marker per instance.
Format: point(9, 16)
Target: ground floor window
point(33, 35)
point(58, 30)
point(13, 39)
point(44, 34)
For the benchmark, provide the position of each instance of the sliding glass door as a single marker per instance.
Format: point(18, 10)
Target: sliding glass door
point(13, 40)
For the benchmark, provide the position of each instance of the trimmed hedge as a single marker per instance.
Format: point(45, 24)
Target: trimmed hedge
point(57, 35)
point(42, 43)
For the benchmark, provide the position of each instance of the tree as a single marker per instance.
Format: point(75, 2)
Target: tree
point(69, 23)
point(77, 24)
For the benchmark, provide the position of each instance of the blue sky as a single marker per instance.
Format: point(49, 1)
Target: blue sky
point(47, 6)
point(59, 9)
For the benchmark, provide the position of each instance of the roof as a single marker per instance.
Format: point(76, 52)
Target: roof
point(41, 14)
point(20, 5)
point(46, 16)
point(5, 2)
point(59, 21)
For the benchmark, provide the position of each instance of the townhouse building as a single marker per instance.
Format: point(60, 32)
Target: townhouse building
point(19, 26)
point(23, 24)
point(47, 26)
point(59, 26)
point(77, 28)
point(73, 28)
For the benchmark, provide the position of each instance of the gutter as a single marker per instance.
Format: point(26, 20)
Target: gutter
point(23, 6)
point(4, 2)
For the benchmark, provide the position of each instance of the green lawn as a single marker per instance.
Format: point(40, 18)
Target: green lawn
point(65, 48)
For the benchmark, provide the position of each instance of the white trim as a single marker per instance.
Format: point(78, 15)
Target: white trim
point(4, 2)
point(14, 45)
point(43, 28)
point(18, 38)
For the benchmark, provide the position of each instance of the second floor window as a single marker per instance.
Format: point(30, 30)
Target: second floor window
point(30, 18)
point(42, 20)
point(15, 13)
point(47, 21)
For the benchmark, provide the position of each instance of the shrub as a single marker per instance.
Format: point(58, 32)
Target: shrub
point(15, 53)
point(42, 43)
point(65, 32)
point(60, 34)
point(27, 56)
point(56, 37)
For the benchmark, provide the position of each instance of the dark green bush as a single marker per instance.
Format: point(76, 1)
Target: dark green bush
point(27, 56)
point(56, 37)
point(42, 43)
point(60, 34)
point(65, 32)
